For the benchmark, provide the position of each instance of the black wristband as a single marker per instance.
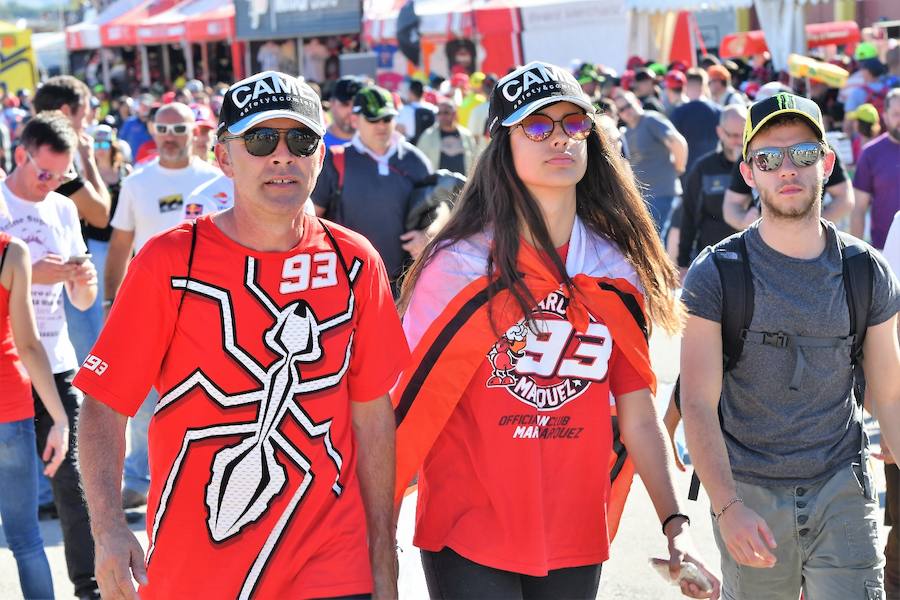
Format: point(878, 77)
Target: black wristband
point(674, 516)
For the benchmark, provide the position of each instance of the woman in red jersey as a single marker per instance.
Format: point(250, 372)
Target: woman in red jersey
point(527, 314)
point(20, 345)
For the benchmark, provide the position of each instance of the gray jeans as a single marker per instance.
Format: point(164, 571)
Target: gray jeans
point(827, 536)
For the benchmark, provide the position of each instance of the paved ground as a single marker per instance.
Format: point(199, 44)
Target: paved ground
point(626, 575)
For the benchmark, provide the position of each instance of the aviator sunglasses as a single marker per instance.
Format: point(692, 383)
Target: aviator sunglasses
point(804, 154)
point(538, 127)
point(44, 175)
point(262, 141)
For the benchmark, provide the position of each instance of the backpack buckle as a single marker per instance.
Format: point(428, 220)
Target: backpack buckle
point(779, 340)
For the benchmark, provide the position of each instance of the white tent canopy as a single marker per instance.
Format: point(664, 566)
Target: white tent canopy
point(782, 21)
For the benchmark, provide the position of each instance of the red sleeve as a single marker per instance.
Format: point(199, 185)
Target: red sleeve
point(623, 378)
point(380, 352)
point(126, 360)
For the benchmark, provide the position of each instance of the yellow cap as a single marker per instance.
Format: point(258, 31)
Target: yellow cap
point(866, 113)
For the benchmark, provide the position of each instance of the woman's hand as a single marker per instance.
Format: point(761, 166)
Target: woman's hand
point(56, 448)
point(681, 550)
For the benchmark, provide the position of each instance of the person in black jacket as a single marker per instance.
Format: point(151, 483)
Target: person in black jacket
point(702, 224)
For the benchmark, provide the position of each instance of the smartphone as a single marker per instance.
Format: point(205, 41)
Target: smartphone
point(78, 259)
point(689, 572)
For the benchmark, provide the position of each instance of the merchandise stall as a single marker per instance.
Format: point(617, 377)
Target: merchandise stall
point(503, 33)
point(175, 40)
point(303, 37)
point(87, 56)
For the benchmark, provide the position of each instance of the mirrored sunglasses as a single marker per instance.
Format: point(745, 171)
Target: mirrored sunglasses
point(538, 128)
point(102, 145)
point(804, 154)
point(262, 141)
point(174, 129)
point(44, 175)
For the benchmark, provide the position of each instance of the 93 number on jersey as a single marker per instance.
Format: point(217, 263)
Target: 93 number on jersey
point(302, 272)
point(544, 351)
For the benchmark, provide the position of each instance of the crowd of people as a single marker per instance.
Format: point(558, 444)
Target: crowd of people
point(435, 285)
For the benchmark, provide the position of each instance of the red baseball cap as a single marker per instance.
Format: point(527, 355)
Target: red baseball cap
point(634, 62)
point(675, 80)
point(459, 80)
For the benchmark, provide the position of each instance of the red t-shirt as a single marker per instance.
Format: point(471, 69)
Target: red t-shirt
point(252, 458)
point(519, 478)
point(16, 403)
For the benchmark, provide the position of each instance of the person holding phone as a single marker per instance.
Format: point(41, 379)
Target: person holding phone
point(23, 362)
point(48, 222)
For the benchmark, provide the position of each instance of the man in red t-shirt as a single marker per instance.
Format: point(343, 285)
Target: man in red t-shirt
point(273, 340)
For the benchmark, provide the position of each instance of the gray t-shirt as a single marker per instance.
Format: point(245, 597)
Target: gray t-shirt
point(774, 435)
point(649, 156)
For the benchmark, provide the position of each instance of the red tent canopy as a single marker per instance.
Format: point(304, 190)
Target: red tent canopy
point(122, 30)
point(194, 20)
point(749, 43)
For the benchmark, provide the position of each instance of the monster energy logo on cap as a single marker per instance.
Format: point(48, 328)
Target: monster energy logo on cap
point(374, 103)
point(782, 104)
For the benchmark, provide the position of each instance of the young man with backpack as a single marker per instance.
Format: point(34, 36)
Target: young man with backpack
point(417, 115)
point(782, 318)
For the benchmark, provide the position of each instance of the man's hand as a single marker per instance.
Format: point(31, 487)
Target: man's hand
point(84, 274)
point(415, 242)
point(384, 576)
point(51, 270)
point(681, 550)
point(747, 537)
point(118, 556)
point(885, 453)
point(56, 447)
point(86, 147)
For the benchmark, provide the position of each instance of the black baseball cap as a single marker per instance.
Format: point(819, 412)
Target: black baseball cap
point(269, 95)
point(346, 88)
point(530, 88)
point(782, 103)
point(374, 103)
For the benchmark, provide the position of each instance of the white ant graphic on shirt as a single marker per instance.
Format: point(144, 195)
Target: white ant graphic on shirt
point(247, 476)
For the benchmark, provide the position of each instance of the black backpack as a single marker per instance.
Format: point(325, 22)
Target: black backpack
point(730, 258)
point(423, 118)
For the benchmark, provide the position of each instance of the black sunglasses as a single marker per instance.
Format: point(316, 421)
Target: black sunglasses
point(804, 154)
point(262, 141)
point(386, 119)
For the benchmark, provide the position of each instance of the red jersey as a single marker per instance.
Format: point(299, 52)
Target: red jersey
point(256, 356)
point(16, 403)
point(518, 477)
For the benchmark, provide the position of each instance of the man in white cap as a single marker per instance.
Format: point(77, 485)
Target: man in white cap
point(265, 330)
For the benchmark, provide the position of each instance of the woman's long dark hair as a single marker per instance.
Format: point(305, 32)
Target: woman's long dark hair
point(608, 201)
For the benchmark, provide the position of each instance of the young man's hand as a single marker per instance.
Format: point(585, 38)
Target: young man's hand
point(747, 537)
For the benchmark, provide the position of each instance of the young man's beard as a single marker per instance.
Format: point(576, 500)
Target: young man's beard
point(895, 133)
point(792, 214)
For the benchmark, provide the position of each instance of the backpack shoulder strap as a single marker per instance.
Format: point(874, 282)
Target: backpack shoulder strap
point(730, 257)
point(858, 272)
